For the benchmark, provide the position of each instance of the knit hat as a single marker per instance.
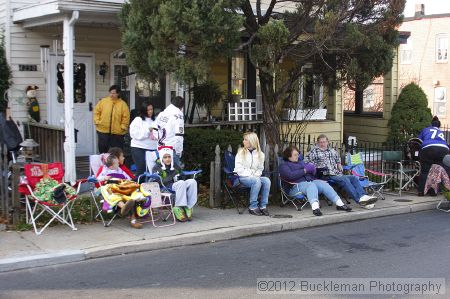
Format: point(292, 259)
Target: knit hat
point(446, 160)
point(165, 150)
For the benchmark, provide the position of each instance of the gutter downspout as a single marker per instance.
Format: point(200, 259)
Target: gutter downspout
point(69, 126)
point(8, 24)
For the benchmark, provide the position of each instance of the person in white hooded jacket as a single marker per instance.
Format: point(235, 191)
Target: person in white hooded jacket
point(249, 165)
point(142, 138)
point(170, 127)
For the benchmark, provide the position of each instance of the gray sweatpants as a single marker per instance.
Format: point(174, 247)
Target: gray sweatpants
point(185, 193)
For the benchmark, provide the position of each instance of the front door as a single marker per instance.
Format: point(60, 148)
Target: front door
point(83, 99)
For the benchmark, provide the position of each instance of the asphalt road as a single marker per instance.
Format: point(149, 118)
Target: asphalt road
point(410, 245)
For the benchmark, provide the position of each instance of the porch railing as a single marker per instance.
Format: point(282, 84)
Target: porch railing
point(50, 139)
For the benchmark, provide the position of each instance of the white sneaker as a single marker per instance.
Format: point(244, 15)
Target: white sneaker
point(364, 198)
point(369, 206)
point(367, 200)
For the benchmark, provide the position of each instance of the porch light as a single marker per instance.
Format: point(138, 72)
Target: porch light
point(28, 148)
point(103, 69)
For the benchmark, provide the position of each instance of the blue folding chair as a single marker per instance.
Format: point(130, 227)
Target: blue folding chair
point(148, 176)
point(299, 200)
point(238, 194)
point(371, 180)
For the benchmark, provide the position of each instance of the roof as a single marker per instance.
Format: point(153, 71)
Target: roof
point(426, 17)
point(100, 12)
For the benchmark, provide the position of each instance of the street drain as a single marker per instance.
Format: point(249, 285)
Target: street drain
point(403, 200)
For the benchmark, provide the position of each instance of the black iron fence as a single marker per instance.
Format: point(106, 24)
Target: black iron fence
point(372, 152)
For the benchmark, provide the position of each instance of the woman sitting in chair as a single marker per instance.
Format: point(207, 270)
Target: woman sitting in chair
point(298, 177)
point(185, 190)
point(249, 165)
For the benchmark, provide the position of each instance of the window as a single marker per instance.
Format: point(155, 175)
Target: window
point(406, 52)
point(308, 103)
point(441, 48)
point(372, 101)
point(121, 74)
point(79, 82)
point(239, 74)
point(311, 92)
point(440, 101)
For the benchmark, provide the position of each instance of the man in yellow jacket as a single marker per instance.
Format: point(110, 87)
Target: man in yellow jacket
point(111, 119)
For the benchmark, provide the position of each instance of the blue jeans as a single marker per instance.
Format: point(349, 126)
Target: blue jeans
point(177, 159)
point(138, 155)
point(350, 184)
point(313, 189)
point(257, 184)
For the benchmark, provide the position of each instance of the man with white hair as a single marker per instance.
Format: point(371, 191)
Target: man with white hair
point(327, 159)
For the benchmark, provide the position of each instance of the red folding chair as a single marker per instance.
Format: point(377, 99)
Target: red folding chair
point(37, 207)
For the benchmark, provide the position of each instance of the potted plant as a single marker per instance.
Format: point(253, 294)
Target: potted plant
point(206, 95)
point(236, 95)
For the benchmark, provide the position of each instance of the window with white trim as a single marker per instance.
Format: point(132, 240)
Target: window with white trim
point(239, 74)
point(440, 101)
point(406, 52)
point(441, 48)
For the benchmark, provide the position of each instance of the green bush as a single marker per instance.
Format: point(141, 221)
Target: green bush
point(410, 114)
point(5, 74)
point(200, 145)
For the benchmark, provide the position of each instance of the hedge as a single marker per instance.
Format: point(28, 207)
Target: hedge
point(200, 144)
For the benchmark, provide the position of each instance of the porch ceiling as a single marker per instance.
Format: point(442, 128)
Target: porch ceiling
point(92, 12)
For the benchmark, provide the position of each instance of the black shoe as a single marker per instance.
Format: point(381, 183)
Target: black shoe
point(317, 212)
point(264, 212)
point(343, 208)
point(420, 194)
point(58, 193)
point(256, 212)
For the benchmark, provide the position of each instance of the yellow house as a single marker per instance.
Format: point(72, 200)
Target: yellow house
point(43, 37)
point(323, 112)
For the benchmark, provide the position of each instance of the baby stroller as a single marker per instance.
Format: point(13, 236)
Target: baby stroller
point(412, 149)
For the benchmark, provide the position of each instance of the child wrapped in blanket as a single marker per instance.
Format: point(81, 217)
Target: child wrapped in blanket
point(112, 171)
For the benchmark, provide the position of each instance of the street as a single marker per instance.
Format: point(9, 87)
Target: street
point(412, 245)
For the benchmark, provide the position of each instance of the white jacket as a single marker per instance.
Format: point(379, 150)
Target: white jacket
point(251, 165)
point(140, 133)
point(170, 124)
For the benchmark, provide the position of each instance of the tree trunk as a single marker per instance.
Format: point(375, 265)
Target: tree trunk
point(359, 98)
point(271, 119)
point(191, 113)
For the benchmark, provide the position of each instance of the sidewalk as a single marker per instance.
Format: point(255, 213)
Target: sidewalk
point(59, 244)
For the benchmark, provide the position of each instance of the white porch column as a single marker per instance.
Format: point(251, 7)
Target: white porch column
point(168, 95)
point(69, 127)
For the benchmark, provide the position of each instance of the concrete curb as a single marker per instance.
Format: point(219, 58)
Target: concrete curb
point(221, 234)
point(40, 260)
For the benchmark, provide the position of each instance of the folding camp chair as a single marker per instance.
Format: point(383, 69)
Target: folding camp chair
point(299, 200)
point(372, 181)
point(161, 204)
point(238, 194)
point(403, 171)
point(150, 160)
point(37, 206)
point(95, 162)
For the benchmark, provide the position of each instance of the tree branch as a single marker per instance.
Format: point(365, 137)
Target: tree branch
point(268, 13)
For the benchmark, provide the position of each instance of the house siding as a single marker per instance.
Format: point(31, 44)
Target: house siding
point(25, 49)
point(374, 129)
point(332, 127)
point(3, 14)
point(423, 69)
